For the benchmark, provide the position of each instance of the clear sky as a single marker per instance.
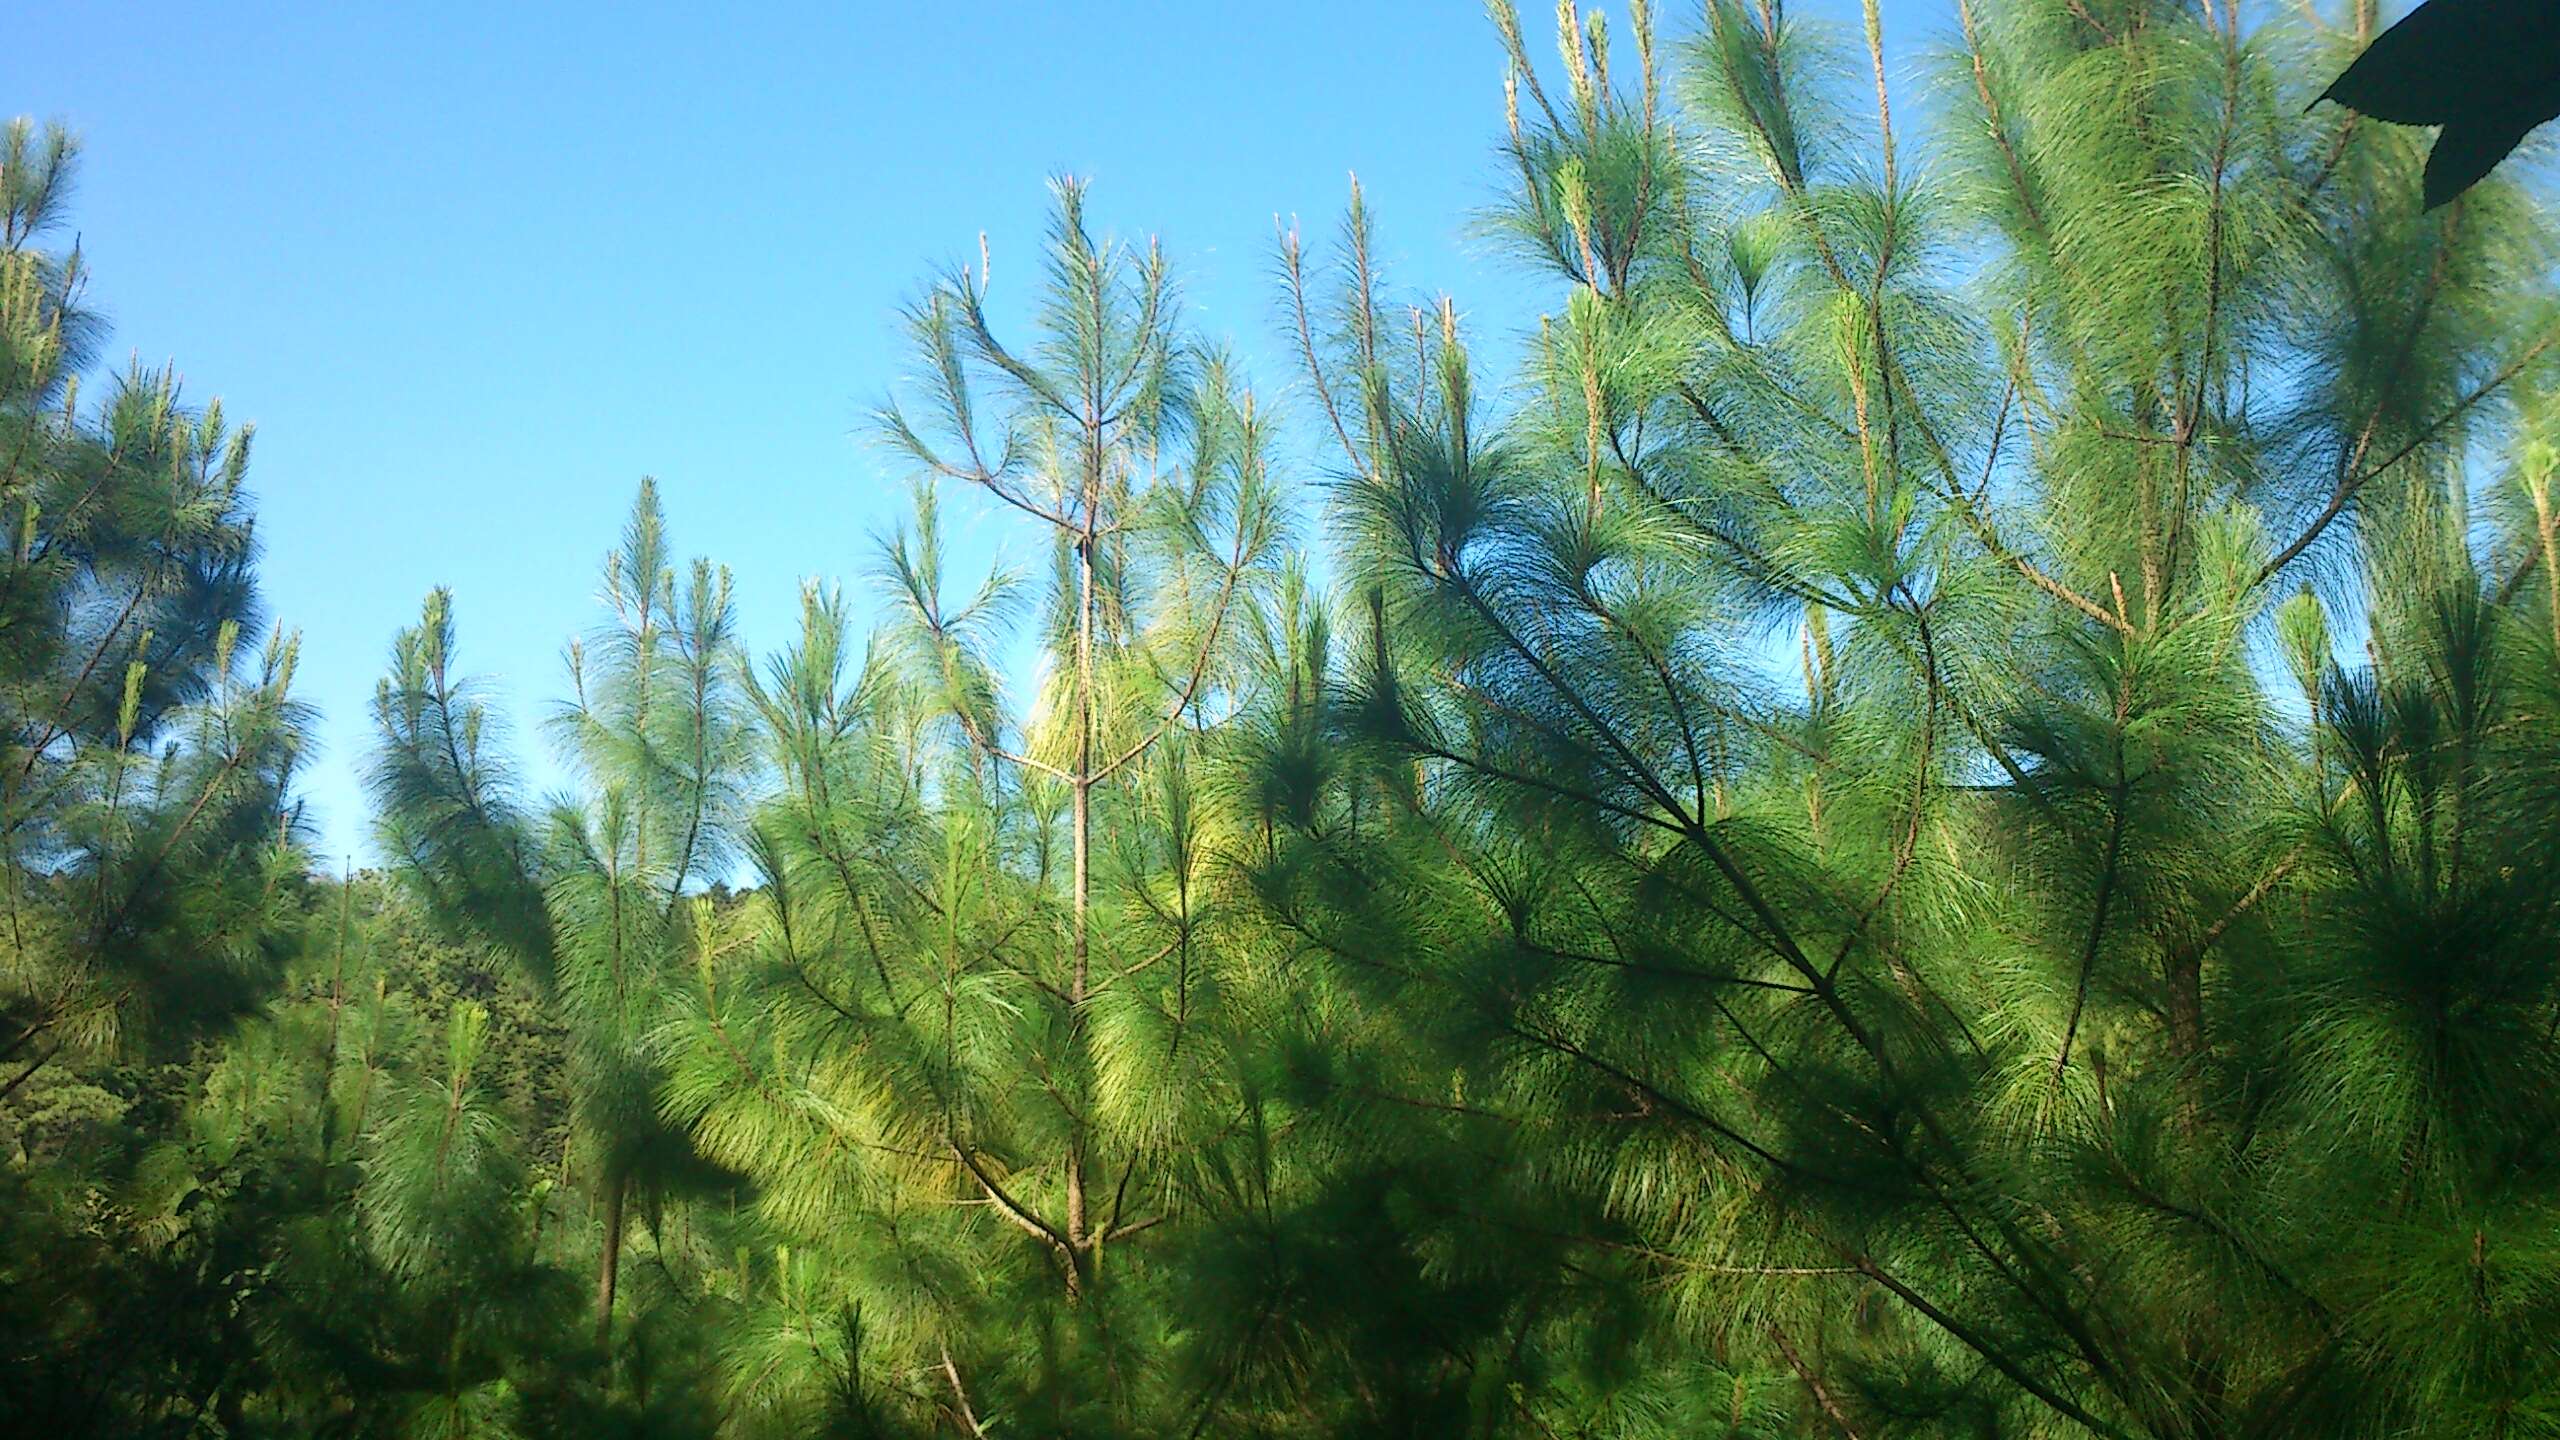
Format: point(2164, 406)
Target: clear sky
point(474, 269)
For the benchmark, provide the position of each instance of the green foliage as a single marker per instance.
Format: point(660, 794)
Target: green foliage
point(1935, 823)
point(143, 755)
point(1982, 1042)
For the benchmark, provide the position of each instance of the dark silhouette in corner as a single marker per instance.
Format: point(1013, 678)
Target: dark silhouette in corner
point(2488, 71)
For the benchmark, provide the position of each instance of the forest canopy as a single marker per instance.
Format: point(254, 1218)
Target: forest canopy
point(1933, 818)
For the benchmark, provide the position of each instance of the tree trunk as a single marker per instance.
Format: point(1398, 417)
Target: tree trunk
point(609, 1268)
point(2547, 526)
point(1082, 823)
point(329, 1056)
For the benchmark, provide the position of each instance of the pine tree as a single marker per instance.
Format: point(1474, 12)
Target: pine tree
point(981, 987)
point(590, 904)
point(149, 852)
point(1927, 1039)
point(153, 880)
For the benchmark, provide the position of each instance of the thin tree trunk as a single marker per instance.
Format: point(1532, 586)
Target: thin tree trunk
point(609, 1268)
point(337, 1006)
point(1082, 823)
point(2547, 526)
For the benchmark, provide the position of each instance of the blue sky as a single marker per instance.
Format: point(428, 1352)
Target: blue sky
point(474, 269)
